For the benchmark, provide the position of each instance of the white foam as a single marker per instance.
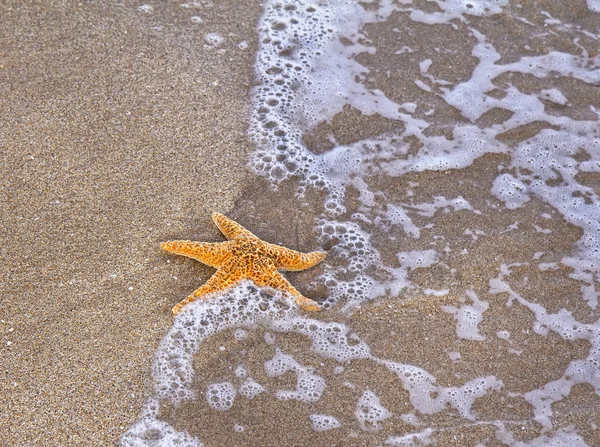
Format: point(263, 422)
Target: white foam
point(323, 422)
point(428, 397)
point(468, 317)
point(250, 388)
point(416, 259)
point(504, 335)
point(454, 356)
point(412, 439)
point(396, 215)
point(553, 95)
point(220, 396)
point(148, 9)
point(240, 334)
point(245, 306)
point(457, 9)
point(370, 413)
point(593, 5)
point(567, 437)
point(241, 371)
point(309, 386)
point(213, 40)
point(511, 190)
point(149, 431)
point(565, 325)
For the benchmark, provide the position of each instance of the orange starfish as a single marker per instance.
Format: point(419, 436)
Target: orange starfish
point(244, 256)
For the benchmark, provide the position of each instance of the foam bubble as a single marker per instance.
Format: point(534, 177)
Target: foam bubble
point(250, 388)
point(417, 259)
point(468, 317)
point(511, 191)
point(240, 334)
point(370, 413)
point(213, 40)
point(504, 335)
point(323, 422)
point(220, 396)
point(148, 9)
point(457, 9)
point(149, 431)
point(241, 372)
point(309, 386)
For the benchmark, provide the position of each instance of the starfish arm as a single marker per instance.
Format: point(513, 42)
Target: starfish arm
point(228, 227)
point(213, 254)
point(276, 280)
point(221, 280)
point(292, 260)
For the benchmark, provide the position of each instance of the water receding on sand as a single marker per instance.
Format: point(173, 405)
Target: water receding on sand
point(447, 155)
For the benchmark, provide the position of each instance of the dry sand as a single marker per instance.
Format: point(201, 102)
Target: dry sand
point(118, 130)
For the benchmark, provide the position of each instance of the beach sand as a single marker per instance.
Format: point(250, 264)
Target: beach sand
point(414, 330)
point(119, 130)
point(122, 128)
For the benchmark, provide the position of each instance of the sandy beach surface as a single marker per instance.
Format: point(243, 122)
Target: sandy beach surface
point(119, 130)
point(123, 125)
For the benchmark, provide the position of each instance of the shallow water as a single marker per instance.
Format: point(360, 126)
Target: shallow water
point(447, 155)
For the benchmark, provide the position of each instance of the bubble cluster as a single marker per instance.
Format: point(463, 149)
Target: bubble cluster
point(332, 340)
point(213, 40)
point(220, 396)
point(292, 36)
point(412, 439)
point(511, 191)
point(353, 251)
point(250, 388)
point(149, 431)
point(323, 422)
point(429, 398)
point(309, 386)
point(240, 306)
point(417, 258)
point(241, 372)
point(457, 9)
point(370, 413)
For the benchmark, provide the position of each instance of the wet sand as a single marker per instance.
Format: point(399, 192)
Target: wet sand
point(412, 330)
point(122, 129)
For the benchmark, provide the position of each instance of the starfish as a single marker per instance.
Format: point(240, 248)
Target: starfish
point(244, 256)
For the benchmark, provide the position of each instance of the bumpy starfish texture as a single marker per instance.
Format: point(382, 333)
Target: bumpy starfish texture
point(244, 256)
